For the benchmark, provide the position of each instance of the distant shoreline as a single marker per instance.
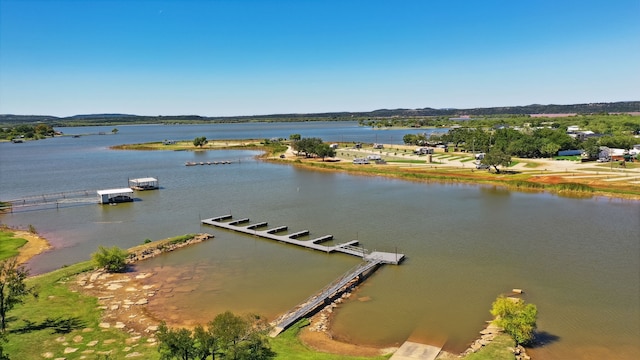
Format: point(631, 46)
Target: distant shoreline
point(564, 178)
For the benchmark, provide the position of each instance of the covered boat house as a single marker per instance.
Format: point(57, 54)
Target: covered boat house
point(112, 196)
point(147, 183)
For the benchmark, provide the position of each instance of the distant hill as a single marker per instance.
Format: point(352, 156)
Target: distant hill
point(114, 119)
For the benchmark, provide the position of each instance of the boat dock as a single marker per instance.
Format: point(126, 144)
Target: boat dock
point(346, 282)
point(349, 247)
point(194, 163)
point(325, 296)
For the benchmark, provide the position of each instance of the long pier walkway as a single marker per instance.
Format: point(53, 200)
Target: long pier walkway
point(349, 247)
point(324, 296)
point(57, 199)
point(372, 261)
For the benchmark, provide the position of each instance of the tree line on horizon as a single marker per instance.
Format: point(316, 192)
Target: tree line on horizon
point(110, 119)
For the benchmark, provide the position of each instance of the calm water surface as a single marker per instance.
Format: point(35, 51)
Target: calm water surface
point(577, 259)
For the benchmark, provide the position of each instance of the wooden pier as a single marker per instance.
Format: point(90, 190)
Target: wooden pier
point(372, 261)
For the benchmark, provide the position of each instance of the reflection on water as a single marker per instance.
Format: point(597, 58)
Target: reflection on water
point(577, 259)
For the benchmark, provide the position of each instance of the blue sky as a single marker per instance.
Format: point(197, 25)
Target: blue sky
point(251, 57)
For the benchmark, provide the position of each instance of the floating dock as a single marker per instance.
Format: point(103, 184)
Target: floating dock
point(194, 163)
point(346, 282)
point(349, 247)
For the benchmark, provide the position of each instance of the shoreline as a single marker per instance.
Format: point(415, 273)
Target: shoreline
point(562, 178)
point(555, 177)
point(35, 244)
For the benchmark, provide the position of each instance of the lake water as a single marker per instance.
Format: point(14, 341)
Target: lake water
point(578, 260)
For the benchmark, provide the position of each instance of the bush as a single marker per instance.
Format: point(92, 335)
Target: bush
point(112, 259)
point(516, 318)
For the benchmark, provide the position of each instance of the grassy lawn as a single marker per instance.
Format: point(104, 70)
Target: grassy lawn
point(498, 349)
point(9, 244)
point(60, 320)
point(570, 158)
point(408, 161)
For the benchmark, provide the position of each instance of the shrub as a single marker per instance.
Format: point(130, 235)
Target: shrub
point(516, 318)
point(111, 259)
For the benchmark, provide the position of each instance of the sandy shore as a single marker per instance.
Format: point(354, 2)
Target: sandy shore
point(35, 245)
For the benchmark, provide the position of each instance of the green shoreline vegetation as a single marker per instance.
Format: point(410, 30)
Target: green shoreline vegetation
point(64, 323)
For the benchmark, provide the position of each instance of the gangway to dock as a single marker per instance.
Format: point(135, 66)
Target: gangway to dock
point(66, 198)
point(322, 297)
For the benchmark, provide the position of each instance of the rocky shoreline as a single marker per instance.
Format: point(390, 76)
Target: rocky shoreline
point(487, 335)
point(153, 249)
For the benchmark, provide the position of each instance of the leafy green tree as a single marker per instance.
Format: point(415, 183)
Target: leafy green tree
point(496, 157)
point(516, 318)
point(43, 130)
point(205, 343)
point(307, 145)
point(114, 131)
point(549, 149)
point(111, 259)
point(13, 288)
point(591, 147)
point(228, 335)
point(324, 150)
point(200, 141)
point(175, 344)
point(229, 329)
point(295, 137)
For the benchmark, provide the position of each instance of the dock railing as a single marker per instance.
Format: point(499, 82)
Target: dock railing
point(311, 303)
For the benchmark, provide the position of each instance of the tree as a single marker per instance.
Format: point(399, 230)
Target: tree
point(591, 147)
point(324, 150)
point(114, 131)
point(295, 137)
point(200, 141)
point(175, 344)
point(111, 259)
point(229, 329)
point(307, 145)
point(228, 335)
point(549, 149)
point(13, 288)
point(204, 343)
point(516, 318)
point(496, 157)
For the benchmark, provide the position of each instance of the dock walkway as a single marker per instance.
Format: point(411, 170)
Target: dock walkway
point(372, 261)
point(324, 296)
point(57, 199)
point(349, 247)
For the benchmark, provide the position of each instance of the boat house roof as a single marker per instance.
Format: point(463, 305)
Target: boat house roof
point(143, 180)
point(115, 191)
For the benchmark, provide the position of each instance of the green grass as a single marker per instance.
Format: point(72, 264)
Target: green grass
point(50, 322)
point(403, 161)
point(498, 349)
point(289, 347)
point(9, 244)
